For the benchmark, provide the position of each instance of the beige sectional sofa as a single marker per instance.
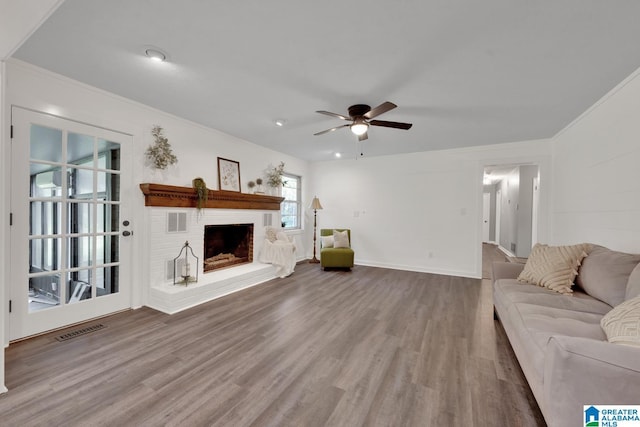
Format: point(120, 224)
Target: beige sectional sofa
point(564, 352)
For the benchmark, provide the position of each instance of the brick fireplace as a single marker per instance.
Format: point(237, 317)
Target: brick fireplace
point(169, 206)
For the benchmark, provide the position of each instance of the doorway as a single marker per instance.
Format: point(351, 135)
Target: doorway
point(70, 257)
point(514, 190)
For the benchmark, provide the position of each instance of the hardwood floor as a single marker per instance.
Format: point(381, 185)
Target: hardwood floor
point(371, 347)
point(490, 253)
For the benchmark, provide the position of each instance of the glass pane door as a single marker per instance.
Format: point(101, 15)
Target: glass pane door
point(72, 223)
point(74, 197)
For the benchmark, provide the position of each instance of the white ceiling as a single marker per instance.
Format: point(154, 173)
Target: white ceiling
point(464, 73)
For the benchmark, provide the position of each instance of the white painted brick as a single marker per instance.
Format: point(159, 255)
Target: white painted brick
point(165, 246)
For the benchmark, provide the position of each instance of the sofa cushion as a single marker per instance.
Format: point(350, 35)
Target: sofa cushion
point(604, 274)
point(554, 267)
point(633, 285)
point(510, 291)
point(535, 325)
point(622, 324)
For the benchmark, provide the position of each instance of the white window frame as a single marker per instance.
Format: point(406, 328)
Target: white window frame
point(291, 177)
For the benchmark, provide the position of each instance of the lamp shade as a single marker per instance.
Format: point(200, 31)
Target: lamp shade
point(315, 204)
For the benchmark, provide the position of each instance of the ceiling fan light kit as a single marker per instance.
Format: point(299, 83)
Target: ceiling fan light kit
point(361, 115)
point(359, 127)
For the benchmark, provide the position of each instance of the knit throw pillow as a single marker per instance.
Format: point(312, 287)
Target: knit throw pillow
point(554, 267)
point(340, 239)
point(622, 324)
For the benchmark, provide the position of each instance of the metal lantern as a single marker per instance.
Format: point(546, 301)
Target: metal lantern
point(184, 274)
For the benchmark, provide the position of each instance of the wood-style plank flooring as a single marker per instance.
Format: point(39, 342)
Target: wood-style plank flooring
point(370, 347)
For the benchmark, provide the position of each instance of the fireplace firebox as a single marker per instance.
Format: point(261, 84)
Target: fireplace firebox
point(227, 245)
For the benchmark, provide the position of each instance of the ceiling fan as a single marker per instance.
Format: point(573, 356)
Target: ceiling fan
point(360, 116)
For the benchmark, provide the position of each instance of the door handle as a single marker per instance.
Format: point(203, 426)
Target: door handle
point(127, 233)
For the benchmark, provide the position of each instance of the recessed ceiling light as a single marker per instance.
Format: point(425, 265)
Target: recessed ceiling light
point(280, 122)
point(338, 155)
point(155, 55)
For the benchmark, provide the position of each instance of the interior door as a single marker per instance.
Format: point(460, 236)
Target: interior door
point(486, 216)
point(70, 251)
point(498, 214)
point(534, 211)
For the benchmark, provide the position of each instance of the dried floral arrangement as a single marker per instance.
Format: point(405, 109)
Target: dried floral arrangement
point(160, 153)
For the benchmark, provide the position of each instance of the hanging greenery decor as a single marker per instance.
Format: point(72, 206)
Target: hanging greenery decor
point(201, 190)
point(159, 153)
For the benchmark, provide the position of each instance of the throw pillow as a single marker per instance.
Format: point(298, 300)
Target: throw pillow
point(271, 234)
point(282, 237)
point(554, 267)
point(622, 324)
point(604, 274)
point(633, 285)
point(340, 239)
point(327, 241)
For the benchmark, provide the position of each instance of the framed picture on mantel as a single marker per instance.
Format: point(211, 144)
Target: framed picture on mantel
point(228, 175)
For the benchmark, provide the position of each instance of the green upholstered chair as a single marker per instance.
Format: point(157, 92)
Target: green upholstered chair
point(335, 257)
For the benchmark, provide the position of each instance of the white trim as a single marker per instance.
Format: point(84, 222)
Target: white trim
point(506, 252)
point(598, 103)
point(4, 223)
point(33, 26)
point(420, 269)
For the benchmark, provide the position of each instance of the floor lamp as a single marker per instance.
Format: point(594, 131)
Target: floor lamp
point(315, 205)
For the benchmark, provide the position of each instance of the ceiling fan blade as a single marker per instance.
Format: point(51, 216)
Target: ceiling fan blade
point(330, 130)
point(363, 137)
point(382, 108)
point(340, 116)
point(395, 125)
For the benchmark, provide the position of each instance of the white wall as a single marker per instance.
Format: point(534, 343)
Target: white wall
point(419, 211)
point(596, 192)
point(196, 147)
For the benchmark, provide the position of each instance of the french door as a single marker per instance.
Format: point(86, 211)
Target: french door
point(70, 255)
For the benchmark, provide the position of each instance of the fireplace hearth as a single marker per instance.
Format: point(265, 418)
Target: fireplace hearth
point(227, 246)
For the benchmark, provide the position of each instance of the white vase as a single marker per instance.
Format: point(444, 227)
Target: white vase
point(276, 191)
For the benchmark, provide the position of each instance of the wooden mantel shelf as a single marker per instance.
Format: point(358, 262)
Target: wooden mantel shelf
point(185, 197)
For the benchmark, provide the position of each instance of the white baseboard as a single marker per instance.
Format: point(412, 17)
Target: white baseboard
point(506, 252)
point(420, 269)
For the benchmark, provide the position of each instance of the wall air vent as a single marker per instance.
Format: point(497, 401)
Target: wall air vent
point(176, 222)
point(267, 220)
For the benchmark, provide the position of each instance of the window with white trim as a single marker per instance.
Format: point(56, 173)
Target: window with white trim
point(290, 209)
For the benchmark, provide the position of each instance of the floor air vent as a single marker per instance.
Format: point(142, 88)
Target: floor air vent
point(80, 332)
